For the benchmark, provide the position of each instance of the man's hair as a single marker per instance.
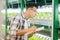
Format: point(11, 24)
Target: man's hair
point(30, 5)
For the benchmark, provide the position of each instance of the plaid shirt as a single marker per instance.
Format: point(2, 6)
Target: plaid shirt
point(16, 24)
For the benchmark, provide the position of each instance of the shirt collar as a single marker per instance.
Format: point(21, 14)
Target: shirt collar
point(24, 17)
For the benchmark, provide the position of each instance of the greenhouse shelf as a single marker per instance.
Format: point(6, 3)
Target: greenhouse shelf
point(38, 36)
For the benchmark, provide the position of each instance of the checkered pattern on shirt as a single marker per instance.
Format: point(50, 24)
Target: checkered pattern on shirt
point(16, 24)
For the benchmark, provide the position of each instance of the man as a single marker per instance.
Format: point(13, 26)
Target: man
point(16, 30)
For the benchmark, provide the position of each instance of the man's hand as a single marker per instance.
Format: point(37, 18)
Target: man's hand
point(33, 30)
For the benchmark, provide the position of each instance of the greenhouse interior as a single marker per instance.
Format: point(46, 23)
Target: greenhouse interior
point(47, 19)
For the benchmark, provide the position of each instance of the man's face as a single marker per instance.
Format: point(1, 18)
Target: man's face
point(33, 12)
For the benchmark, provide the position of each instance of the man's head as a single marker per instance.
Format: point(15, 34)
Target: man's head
point(31, 10)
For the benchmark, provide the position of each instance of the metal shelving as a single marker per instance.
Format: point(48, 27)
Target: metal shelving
point(55, 26)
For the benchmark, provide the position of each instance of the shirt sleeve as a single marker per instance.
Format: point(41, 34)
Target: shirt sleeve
point(14, 26)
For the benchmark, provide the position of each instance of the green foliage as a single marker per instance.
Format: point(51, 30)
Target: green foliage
point(11, 14)
point(36, 38)
point(4, 28)
point(43, 15)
